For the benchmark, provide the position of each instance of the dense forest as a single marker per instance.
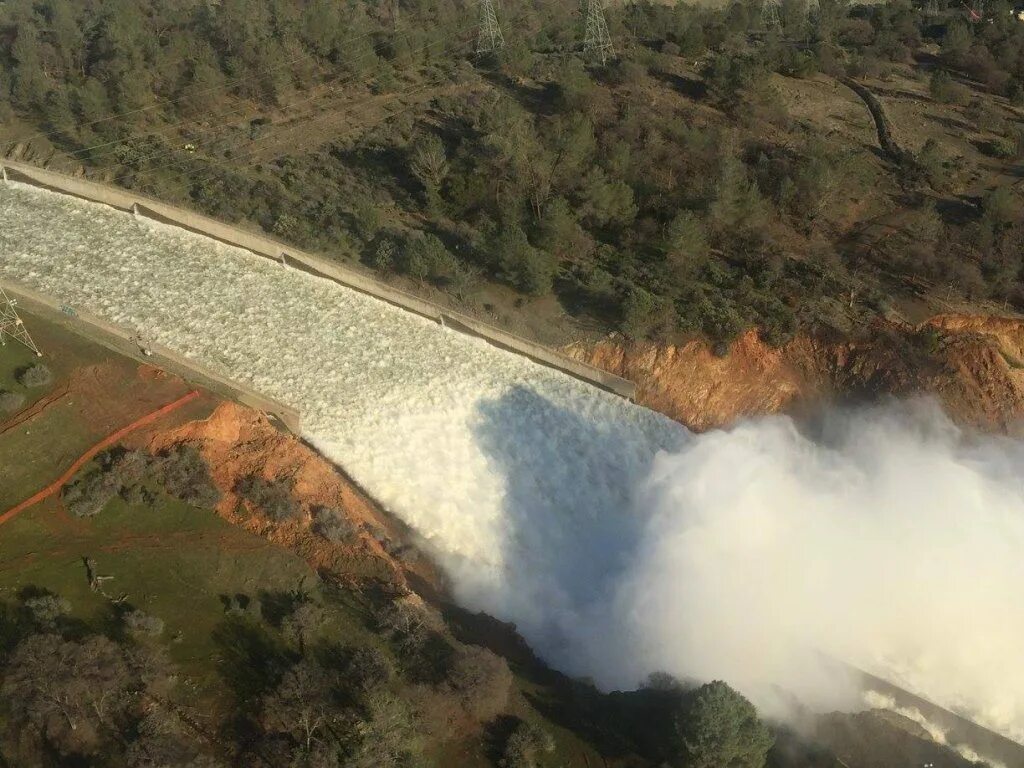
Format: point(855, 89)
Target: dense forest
point(643, 198)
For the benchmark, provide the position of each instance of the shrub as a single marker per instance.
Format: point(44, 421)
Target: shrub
point(11, 401)
point(426, 258)
point(47, 610)
point(524, 746)
point(719, 727)
point(643, 313)
point(37, 375)
point(184, 474)
point(273, 498)
point(332, 524)
point(529, 269)
point(383, 259)
point(1000, 148)
point(573, 86)
point(945, 89)
point(141, 623)
point(481, 680)
point(88, 494)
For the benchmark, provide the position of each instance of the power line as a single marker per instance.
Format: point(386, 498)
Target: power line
point(597, 42)
point(11, 325)
point(490, 38)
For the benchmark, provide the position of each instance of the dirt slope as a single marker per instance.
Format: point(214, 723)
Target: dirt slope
point(974, 365)
point(238, 442)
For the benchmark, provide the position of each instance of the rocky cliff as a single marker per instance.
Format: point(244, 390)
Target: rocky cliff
point(974, 366)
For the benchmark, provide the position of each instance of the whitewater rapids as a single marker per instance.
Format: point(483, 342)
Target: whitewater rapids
point(617, 541)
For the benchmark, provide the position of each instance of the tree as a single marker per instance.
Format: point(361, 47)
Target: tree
point(47, 610)
point(718, 728)
point(607, 201)
point(428, 162)
point(184, 474)
point(481, 680)
point(426, 258)
point(686, 243)
point(74, 695)
point(644, 313)
point(559, 232)
point(301, 705)
point(957, 40)
point(37, 375)
point(163, 740)
point(737, 205)
point(11, 401)
point(386, 735)
point(573, 86)
point(527, 268)
point(524, 746)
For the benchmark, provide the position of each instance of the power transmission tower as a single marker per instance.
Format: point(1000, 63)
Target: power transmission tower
point(597, 42)
point(11, 325)
point(770, 16)
point(490, 38)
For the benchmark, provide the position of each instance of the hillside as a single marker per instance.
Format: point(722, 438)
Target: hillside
point(713, 177)
point(743, 217)
point(289, 584)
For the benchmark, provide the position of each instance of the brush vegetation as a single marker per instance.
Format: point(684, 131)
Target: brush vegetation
point(667, 192)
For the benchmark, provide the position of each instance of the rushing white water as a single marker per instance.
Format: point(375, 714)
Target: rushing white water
point(618, 542)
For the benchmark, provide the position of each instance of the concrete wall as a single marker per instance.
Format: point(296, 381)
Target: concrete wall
point(120, 340)
point(270, 248)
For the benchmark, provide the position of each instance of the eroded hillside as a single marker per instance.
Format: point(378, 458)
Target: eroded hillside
point(972, 364)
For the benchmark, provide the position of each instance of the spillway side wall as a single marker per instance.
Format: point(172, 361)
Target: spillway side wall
point(120, 340)
point(273, 249)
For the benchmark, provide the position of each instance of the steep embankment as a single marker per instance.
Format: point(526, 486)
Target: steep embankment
point(238, 442)
point(974, 365)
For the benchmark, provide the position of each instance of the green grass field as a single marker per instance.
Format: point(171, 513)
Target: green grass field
point(170, 560)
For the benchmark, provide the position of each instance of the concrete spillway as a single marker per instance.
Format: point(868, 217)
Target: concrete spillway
point(618, 542)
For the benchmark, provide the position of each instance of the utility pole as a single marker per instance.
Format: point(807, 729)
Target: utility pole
point(12, 326)
point(597, 42)
point(770, 15)
point(490, 38)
